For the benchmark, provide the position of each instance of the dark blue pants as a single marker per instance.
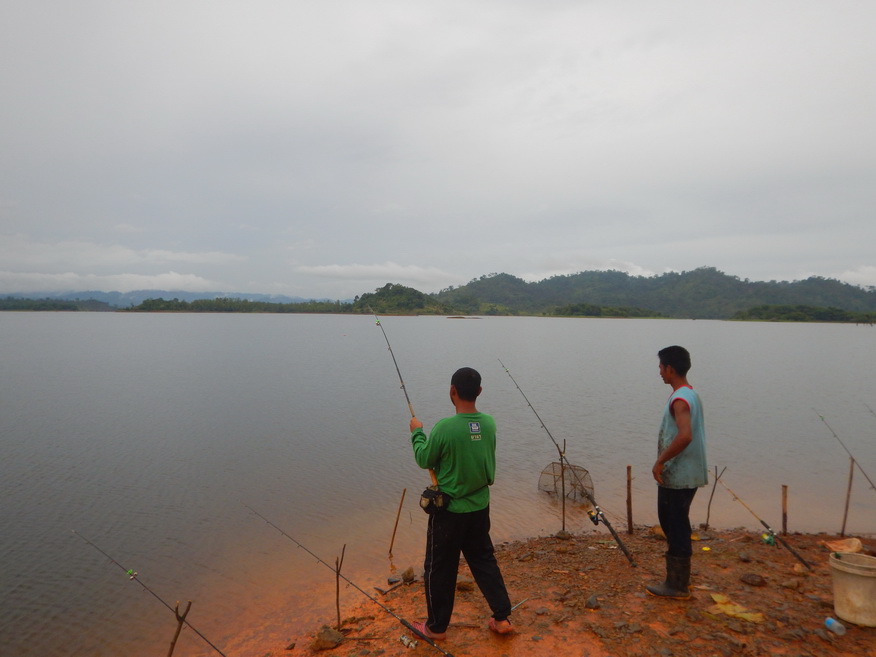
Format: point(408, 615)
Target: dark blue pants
point(448, 536)
point(673, 511)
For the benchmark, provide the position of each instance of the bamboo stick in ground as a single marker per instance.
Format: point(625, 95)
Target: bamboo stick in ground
point(629, 499)
point(397, 515)
point(848, 495)
point(784, 510)
point(338, 565)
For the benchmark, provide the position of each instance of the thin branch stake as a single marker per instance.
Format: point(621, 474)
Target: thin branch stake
point(714, 486)
point(338, 565)
point(180, 620)
point(629, 499)
point(848, 495)
point(397, 515)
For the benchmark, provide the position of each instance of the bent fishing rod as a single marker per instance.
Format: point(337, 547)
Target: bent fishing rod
point(337, 572)
point(402, 381)
point(854, 460)
point(597, 514)
point(133, 575)
point(768, 528)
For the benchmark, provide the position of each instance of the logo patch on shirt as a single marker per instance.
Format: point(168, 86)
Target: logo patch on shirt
point(474, 429)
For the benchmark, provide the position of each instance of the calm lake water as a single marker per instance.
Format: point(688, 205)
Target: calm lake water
point(149, 435)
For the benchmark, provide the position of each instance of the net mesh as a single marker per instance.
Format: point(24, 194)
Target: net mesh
point(576, 482)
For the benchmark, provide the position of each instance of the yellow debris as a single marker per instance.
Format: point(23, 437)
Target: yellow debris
point(728, 607)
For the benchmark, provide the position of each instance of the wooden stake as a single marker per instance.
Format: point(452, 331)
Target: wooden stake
point(784, 510)
point(397, 515)
point(848, 495)
point(629, 499)
point(714, 486)
point(563, 483)
point(338, 565)
point(180, 619)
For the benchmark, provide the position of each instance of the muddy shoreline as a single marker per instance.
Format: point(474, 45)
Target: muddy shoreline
point(582, 598)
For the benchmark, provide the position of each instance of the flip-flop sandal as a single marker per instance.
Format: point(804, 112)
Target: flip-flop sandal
point(501, 629)
point(420, 628)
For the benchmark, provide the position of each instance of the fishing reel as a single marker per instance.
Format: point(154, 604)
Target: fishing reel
point(595, 516)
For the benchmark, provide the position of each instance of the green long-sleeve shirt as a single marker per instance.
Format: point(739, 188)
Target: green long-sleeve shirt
point(461, 450)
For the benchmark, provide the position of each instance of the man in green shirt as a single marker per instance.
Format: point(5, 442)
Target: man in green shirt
point(461, 451)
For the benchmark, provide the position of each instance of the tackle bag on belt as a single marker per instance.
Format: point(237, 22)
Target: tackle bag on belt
point(434, 500)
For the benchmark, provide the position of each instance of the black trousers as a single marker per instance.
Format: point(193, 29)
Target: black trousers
point(450, 534)
point(673, 511)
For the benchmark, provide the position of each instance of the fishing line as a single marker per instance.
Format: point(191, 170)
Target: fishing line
point(133, 575)
point(854, 460)
point(768, 528)
point(597, 514)
point(402, 381)
point(355, 586)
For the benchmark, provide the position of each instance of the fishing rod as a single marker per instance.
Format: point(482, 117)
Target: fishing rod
point(133, 575)
point(355, 586)
point(394, 362)
point(768, 528)
point(854, 460)
point(402, 381)
point(597, 514)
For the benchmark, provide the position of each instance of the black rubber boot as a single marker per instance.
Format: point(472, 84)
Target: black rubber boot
point(677, 581)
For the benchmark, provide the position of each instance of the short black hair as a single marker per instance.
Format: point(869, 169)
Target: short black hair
point(678, 358)
point(467, 382)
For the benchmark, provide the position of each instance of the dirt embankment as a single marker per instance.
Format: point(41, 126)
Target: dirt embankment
point(582, 598)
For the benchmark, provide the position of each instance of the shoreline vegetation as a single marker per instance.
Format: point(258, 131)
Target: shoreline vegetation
point(704, 293)
point(578, 595)
point(764, 313)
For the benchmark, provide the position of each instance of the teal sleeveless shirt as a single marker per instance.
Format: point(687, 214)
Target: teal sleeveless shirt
point(688, 469)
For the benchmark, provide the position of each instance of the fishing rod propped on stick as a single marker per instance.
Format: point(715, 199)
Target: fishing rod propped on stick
point(596, 514)
point(854, 460)
point(337, 572)
point(772, 533)
point(133, 575)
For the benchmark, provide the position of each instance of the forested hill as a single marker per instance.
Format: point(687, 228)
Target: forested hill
point(702, 293)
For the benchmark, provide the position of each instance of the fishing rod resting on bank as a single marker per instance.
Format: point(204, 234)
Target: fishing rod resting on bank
point(389, 611)
point(854, 460)
point(768, 528)
point(133, 575)
point(401, 381)
point(597, 514)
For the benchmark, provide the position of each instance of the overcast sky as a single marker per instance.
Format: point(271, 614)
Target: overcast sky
point(325, 148)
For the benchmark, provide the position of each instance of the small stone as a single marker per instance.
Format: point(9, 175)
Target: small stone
point(563, 535)
point(592, 602)
point(793, 584)
point(327, 638)
point(744, 557)
point(408, 575)
point(465, 584)
point(753, 579)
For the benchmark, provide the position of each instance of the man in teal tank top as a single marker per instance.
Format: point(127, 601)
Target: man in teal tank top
point(679, 470)
point(461, 451)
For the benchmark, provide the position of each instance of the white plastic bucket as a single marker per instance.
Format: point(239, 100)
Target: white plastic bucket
point(854, 587)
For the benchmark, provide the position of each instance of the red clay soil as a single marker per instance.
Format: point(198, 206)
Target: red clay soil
point(584, 599)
